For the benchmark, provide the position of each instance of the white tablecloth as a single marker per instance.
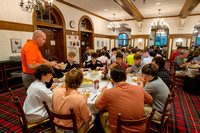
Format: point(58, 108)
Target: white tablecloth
point(192, 72)
point(96, 93)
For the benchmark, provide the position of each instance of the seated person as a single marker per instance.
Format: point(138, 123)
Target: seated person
point(70, 63)
point(129, 58)
point(179, 61)
point(119, 62)
point(163, 73)
point(36, 93)
point(57, 73)
point(138, 64)
point(196, 60)
point(66, 97)
point(155, 86)
point(93, 64)
point(150, 58)
point(103, 58)
point(125, 99)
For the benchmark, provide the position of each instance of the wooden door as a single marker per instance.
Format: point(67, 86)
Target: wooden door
point(86, 41)
point(50, 48)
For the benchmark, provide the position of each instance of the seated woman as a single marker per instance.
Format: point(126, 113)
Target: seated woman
point(163, 73)
point(36, 93)
point(57, 73)
point(93, 64)
point(65, 98)
point(70, 63)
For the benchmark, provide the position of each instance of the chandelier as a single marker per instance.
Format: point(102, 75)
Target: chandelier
point(158, 23)
point(114, 26)
point(37, 5)
point(144, 1)
point(195, 30)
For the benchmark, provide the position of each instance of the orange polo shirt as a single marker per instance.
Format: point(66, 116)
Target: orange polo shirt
point(30, 54)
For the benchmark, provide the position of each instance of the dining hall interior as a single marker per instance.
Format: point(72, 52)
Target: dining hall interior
point(115, 34)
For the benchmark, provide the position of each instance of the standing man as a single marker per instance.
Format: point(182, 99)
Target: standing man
point(32, 58)
point(86, 54)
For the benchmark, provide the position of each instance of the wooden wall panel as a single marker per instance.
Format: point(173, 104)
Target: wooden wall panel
point(6, 25)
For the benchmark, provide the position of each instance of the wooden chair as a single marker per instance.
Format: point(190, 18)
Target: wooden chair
point(161, 126)
point(53, 115)
point(178, 78)
point(172, 85)
point(147, 120)
point(25, 125)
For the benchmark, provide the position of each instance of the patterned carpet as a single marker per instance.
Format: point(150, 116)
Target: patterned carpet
point(185, 113)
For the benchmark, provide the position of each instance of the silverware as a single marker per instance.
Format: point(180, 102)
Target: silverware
point(94, 97)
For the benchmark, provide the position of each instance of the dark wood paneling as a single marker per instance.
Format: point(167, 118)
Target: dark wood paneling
point(71, 32)
point(180, 35)
point(6, 25)
point(139, 36)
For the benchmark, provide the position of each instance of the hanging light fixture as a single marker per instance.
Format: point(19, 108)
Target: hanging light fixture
point(37, 5)
point(158, 23)
point(114, 26)
point(195, 30)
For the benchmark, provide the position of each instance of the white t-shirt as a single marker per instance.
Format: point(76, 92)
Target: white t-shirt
point(33, 106)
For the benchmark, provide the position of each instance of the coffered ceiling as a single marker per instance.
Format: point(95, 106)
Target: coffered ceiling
point(106, 8)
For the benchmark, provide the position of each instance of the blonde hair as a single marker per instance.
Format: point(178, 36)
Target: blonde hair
point(91, 51)
point(72, 54)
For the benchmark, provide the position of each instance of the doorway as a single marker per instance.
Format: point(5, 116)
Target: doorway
point(86, 35)
point(50, 48)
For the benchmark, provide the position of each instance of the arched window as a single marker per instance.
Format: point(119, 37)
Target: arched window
point(123, 40)
point(46, 16)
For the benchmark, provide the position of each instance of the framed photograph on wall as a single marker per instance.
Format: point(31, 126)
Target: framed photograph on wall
point(16, 45)
point(178, 44)
point(98, 45)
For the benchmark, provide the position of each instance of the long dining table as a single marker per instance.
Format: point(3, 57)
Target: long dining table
point(94, 93)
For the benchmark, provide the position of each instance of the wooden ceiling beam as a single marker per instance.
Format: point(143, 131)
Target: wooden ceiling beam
point(188, 7)
point(130, 8)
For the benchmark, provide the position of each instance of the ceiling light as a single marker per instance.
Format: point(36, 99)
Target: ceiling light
point(114, 26)
point(105, 10)
point(158, 3)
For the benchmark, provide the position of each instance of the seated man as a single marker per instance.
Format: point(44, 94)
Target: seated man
point(150, 58)
point(154, 85)
point(125, 99)
point(129, 58)
point(119, 62)
point(179, 61)
point(36, 93)
point(138, 64)
point(70, 63)
point(94, 64)
point(163, 73)
point(65, 98)
point(196, 60)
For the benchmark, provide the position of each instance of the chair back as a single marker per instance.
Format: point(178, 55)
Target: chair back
point(20, 111)
point(53, 115)
point(147, 120)
point(166, 110)
point(172, 85)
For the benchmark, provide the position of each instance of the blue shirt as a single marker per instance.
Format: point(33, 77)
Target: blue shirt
point(196, 59)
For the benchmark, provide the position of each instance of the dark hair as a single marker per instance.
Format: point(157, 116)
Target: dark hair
point(105, 48)
point(102, 53)
point(153, 53)
point(114, 49)
point(94, 55)
point(127, 51)
point(179, 47)
point(137, 57)
point(119, 55)
point(43, 70)
point(134, 50)
point(74, 78)
point(122, 49)
point(150, 69)
point(53, 58)
point(159, 61)
point(118, 74)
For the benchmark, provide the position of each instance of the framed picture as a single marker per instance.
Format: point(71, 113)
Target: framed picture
point(178, 43)
point(98, 45)
point(102, 44)
point(16, 45)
